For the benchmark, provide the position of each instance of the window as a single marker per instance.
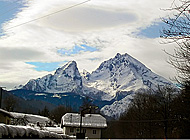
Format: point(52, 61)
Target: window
point(84, 130)
point(94, 132)
point(78, 129)
point(71, 129)
point(8, 122)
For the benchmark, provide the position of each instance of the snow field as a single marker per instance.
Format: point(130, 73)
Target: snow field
point(11, 131)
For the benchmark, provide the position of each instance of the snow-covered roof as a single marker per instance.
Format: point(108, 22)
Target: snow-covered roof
point(6, 112)
point(31, 118)
point(89, 120)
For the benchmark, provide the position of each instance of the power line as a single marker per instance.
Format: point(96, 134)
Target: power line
point(141, 121)
point(48, 14)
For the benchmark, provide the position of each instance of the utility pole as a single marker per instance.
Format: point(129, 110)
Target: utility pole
point(1, 95)
point(82, 114)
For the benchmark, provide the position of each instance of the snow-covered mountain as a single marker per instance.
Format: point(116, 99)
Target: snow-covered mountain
point(123, 74)
point(65, 79)
point(118, 107)
point(116, 79)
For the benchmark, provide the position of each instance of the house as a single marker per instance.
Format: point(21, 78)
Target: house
point(92, 124)
point(5, 116)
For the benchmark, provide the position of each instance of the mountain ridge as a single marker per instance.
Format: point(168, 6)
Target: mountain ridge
point(116, 79)
point(123, 73)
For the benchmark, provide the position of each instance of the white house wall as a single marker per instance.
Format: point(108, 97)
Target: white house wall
point(89, 132)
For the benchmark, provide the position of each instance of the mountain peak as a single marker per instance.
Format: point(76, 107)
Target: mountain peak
point(65, 79)
point(85, 74)
point(116, 62)
point(123, 73)
point(118, 55)
point(71, 65)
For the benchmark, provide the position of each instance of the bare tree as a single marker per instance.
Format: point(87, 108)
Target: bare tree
point(44, 112)
point(87, 103)
point(57, 113)
point(178, 24)
point(149, 115)
point(180, 60)
point(21, 121)
point(10, 103)
point(178, 30)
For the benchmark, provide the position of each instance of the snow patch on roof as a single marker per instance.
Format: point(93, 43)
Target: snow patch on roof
point(89, 120)
point(6, 112)
point(31, 118)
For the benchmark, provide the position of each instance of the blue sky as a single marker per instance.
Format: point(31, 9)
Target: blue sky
point(51, 66)
point(88, 34)
point(8, 10)
point(152, 31)
point(45, 66)
point(77, 49)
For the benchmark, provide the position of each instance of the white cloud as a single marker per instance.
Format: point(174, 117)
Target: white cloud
point(107, 25)
point(86, 19)
point(16, 73)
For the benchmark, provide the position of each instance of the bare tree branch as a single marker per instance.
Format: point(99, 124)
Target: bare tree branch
point(178, 31)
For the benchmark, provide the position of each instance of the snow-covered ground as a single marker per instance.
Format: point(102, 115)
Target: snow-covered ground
point(57, 130)
point(12, 131)
point(32, 130)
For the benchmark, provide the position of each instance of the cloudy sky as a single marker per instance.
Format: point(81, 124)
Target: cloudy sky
point(36, 36)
